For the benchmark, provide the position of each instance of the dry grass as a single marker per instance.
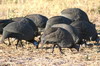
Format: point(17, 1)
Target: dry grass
point(29, 56)
point(16, 8)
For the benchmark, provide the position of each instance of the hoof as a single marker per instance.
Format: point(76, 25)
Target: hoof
point(37, 47)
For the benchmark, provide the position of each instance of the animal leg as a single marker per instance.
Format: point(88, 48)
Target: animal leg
point(4, 36)
point(21, 43)
point(53, 47)
point(60, 49)
point(9, 41)
point(42, 44)
point(36, 46)
point(17, 43)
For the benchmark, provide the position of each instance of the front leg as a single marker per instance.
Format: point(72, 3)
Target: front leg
point(53, 48)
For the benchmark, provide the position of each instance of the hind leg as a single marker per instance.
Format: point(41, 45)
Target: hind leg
point(17, 43)
point(4, 36)
point(9, 41)
point(60, 49)
point(21, 44)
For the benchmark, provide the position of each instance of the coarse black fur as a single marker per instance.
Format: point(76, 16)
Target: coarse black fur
point(86, 30)
point(75, 14)
point(17, 19)
point(72, 30)
point(58, 36)
point(22, 30)
point(39, 20)
point(57, 20)
point(4, 22)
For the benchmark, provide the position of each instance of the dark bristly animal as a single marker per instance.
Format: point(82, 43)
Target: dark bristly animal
point(75, 14)
point(86, 30)
point(57, 20)
point(60, 37)
point(72, 30)
point(39, 20)
point(23, 30)
point(17, 19)
point(5, 22)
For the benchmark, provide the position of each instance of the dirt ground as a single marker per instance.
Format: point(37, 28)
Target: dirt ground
point(29, 56)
